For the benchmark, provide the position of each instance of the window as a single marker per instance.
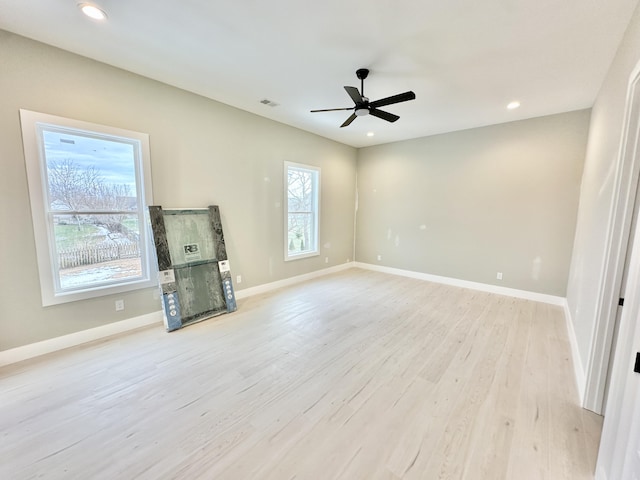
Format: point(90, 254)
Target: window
point(89, 187)
point(302, 191)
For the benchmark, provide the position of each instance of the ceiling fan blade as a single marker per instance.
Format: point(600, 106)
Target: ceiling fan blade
point(401, 97)
point(354, 94)
point(349, 120)
point(389, 117)
point(332, 109)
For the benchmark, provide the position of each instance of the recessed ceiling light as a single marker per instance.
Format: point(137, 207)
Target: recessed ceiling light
point(513, 105)
point(370, 134)
point(92, 11)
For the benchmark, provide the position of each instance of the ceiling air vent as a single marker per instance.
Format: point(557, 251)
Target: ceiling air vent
point(266, 101)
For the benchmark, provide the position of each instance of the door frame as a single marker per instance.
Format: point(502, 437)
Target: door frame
point(618, 231)
point(623, 413)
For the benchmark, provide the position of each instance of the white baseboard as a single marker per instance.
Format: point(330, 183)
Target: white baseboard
point(267, 287)
point(483, 287)
point(32, 350)
point(578, 369)
point(579, 374)
point(37, 349)
point(48, 346)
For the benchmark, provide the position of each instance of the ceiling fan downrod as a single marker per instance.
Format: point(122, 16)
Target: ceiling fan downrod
point(362, 73)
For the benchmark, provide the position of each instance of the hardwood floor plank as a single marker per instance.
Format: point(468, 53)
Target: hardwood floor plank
point(356, 375)
point(530, 457)
point(494, 427)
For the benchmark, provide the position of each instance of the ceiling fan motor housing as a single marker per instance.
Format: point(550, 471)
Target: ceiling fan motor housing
point(362, 73)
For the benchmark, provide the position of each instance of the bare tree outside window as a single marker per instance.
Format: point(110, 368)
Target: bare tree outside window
point(77, 189)
point(302, 210)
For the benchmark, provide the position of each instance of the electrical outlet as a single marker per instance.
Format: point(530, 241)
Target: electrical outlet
point(119, 305)
point(499, 275)
point(379, 257)
point(326, 259)
point(238, 278)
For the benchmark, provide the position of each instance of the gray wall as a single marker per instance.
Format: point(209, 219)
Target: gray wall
point(202, 152)
point(597, 191)
point(462, 205)
point(469, 204)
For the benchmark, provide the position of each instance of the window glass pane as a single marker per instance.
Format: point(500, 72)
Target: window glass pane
point(300, 190)
point(199, 291)
point(189, 237)
point(301, 238)
point(93, 250)
point(86, 172)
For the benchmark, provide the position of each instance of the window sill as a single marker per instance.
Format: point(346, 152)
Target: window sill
point(300, 256)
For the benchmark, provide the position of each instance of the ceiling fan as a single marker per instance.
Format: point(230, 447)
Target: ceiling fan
point(364, 107)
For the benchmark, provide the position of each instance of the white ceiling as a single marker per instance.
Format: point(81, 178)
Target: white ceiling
point(464, 59)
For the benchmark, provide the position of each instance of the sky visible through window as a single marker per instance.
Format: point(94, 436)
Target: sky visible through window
point(114, 159)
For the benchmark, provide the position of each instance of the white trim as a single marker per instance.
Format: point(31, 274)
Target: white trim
point(51, 345)
point(36, 178)
point(578, 368)
point(267, 287)
point(317, 187)
point(601, 474)
point(44, 347)
point(37, 349)
point(483, 287)
point(618, 444)
point(618, 231)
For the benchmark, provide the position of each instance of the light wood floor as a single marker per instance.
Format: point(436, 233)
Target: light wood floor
point(357, 375)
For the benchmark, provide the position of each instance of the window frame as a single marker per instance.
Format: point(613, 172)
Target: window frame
point(316, 171)
point(35, 162)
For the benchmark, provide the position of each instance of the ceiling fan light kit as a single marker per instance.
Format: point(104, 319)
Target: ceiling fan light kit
point(363, 107)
